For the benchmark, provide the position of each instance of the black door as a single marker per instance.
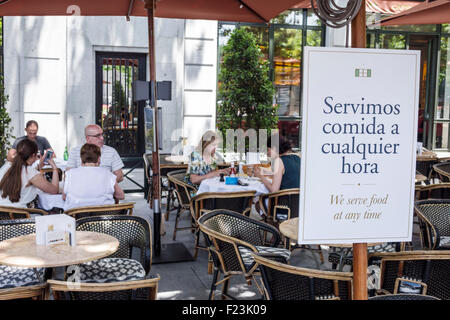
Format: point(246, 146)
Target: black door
point(122, 119)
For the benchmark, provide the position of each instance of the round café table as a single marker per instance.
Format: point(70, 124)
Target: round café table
point(24, 252)
point(289, 229)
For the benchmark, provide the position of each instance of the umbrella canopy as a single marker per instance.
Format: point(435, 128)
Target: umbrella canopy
point(225, 10)
point(430, 12)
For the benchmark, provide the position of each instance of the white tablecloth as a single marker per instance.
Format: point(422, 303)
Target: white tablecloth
point(214, 185)
point(48, 201)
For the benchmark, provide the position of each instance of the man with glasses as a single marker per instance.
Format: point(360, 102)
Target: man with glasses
point(109, 159)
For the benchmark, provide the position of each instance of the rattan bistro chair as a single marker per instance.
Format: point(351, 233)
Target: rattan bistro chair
point(8, 213)
point(15, 282)
point(183, 192)
point(404, 296)
point(285, 282)
point(433, 191)
point(133, 233)
point(125, 208)
point(280, 206)
point(231, 238)
point(127, 290)
point(428, 271)
point(443, 170)
point(434, 222)
point(240, 201)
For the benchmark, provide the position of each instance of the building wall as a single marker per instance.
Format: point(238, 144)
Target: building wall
point(50, 72)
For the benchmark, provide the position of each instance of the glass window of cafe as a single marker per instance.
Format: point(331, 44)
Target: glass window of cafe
point(433, 42)
point(282, 44)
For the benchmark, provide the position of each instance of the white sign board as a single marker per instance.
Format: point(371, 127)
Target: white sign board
point(358, 145)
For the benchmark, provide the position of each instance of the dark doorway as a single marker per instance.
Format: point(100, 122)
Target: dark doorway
point(122, 119)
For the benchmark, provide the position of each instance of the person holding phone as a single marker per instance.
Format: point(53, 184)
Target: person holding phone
point(31, 129)
point(20, 182)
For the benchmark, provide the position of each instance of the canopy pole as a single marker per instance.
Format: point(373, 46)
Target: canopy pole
point(150, 6)
point(359, 249)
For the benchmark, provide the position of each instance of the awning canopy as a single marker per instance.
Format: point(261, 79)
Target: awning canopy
point(231, 10)
point(430, 12)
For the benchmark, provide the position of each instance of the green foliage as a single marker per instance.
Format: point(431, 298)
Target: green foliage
point(118, 95)
point(245, 94)
point(5, 128)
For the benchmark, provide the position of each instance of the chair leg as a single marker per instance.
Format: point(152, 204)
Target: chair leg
point(176, 223)
point(196, 244)
point(169, 193)
point(213, 285)
point(225, 289)
point(321, 254)
point(210, 264)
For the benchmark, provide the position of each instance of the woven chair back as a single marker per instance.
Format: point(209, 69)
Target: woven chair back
point(127, 290)
point(184, 190)
point(131, 231)
point(103, 210)
point(8, 213)
point(284, 282)
point(437, 212)
point(432, 268)
point(403, 297)
point(227, 230)
point(16, 228)
point(234, 201)
point(433, 191)
point(284, 198)
point(443, 170)
point(425, 167)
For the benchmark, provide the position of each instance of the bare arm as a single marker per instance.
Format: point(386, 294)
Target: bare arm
point(273, 186)
point(119, 175)
point(11, 154)
point(41, 183)
point(118, 192)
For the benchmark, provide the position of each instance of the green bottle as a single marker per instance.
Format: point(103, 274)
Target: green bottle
point(66, 154)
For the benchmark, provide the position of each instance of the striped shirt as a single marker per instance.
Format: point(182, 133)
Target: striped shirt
point(109, 159)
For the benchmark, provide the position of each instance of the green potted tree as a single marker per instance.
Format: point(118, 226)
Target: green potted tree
point(5, 125)
point(245, 92)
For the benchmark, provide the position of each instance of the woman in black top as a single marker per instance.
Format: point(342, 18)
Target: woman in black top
point(286, 167)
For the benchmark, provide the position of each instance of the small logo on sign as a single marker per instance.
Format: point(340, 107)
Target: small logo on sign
point(363, 73)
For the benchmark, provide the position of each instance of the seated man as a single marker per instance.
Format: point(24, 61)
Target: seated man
point(90, 184)
point(110, 159)
point(31, 129)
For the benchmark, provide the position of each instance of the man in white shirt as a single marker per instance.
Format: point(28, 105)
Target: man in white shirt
point(110, 159)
